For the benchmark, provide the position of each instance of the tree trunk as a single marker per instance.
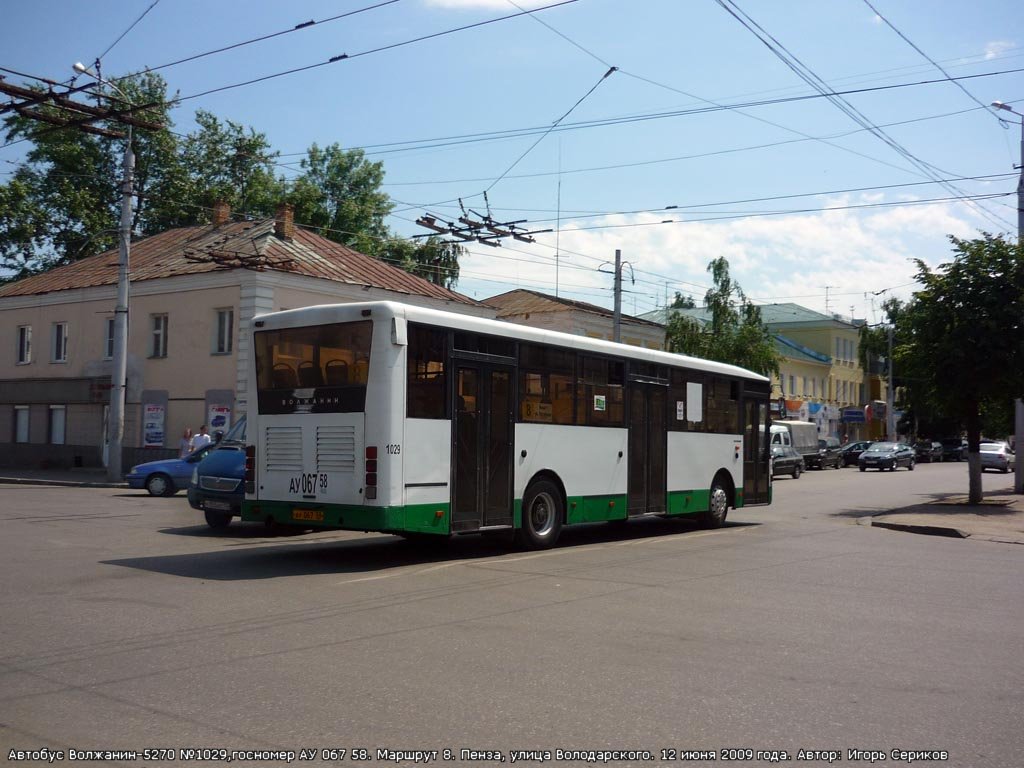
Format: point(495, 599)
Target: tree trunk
point(973, 455)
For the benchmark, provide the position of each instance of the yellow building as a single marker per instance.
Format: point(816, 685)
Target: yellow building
point(194, 292)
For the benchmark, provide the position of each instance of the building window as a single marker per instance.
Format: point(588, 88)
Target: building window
point(58, 417)
point(814, 387)
point(21, 423)
point(222, 343)
point(805, 390)
point(159, 348)
point(839, 348)
point(59, 348)
point(792, 385)
point(24, 344)
point(108, 341)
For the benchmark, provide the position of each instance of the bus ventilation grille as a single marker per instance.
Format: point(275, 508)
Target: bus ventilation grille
point(336, 449)
point(284, 448)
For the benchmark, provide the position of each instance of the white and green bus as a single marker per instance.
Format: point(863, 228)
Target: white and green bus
point(395, 418)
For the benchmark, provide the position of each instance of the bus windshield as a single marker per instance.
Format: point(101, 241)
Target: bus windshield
point(316, 369)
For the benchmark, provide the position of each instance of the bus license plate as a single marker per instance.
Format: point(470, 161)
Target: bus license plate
point(213, 504)
point(316, 515)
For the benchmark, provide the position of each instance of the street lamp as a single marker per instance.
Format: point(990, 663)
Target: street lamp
point(1018, 478)
point(119, 373)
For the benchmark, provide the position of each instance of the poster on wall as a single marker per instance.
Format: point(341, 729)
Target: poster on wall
point(219, 418)
point(153, 426)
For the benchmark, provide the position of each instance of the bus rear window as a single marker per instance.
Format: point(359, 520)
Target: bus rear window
point(317, 369)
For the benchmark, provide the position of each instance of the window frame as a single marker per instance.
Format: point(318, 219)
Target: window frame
point(223, 333)
point(24, 345)
point(51, 423)
point(59, 342)
point(109, 335)
point(159, 324)
point(25, 409)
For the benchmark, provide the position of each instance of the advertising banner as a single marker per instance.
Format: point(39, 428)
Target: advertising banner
point(219, 418)
point(153, 426)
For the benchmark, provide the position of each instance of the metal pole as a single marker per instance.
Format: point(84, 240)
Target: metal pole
point(890, 417)
point(617, 322)
point(1018, 473)
point(119, 373)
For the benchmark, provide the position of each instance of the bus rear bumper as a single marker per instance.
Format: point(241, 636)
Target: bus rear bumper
point(417, 518)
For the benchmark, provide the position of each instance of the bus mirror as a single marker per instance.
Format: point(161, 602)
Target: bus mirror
point(399, 331)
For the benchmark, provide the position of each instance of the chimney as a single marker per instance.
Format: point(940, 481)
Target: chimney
point(221, 213)
point(284, 221)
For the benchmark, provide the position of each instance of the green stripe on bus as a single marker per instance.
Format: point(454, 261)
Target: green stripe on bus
point(419, 518)
point(688, 502)
point(594, 509)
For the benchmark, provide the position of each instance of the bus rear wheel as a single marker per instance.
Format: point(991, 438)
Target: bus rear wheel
point(718, 506)
point(542, 516)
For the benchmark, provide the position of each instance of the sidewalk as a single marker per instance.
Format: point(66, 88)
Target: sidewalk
point(90, 477)
point(999, 517)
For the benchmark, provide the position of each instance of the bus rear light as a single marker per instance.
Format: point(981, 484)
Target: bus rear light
point(371, 452)
point(371, 479)
point(371, 465)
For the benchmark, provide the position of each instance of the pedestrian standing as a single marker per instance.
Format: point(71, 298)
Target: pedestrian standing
point(201, 440)
point(185, 444)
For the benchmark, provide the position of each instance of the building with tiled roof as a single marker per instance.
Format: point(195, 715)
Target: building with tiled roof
point(556, 313)
point(193, 292)
point(821, 379)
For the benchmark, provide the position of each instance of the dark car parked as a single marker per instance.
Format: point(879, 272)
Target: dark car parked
point(928, 450)
point(883, 456)
point(828, 454)
point(218, 481)
point(954, 449)
point(786, 461)
point(852, 451)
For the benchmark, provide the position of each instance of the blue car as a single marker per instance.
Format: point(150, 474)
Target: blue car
point(217, 486)
point(167, 476)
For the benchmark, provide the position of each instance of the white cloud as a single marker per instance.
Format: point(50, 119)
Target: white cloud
point(997, 47)
point(776, 259)
point(876, 19)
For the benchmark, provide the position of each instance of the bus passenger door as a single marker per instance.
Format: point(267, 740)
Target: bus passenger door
point(756, 451)
point(482, 447)
point(648, 438)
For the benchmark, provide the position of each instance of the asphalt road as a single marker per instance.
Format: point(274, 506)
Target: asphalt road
point(126, 624)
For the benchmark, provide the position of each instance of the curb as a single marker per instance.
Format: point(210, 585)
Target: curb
point(64, 483)
point(927, 530)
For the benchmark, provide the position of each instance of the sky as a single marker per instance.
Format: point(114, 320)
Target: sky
point(823, 202)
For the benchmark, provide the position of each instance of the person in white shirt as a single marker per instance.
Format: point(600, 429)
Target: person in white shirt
point(201, 440)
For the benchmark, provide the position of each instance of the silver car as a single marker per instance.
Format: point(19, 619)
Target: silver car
point(997, 456)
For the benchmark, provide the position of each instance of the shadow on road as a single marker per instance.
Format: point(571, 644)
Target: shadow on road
point(995, 503)
point(241, 559)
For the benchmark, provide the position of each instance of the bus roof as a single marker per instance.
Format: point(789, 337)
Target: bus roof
point(323, 314)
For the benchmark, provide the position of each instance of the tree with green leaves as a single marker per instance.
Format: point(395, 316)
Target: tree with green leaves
point(734, 332)
point(339, 195)
point(62, 204)
point(682, 302)
point(962, 336)
point(63, 201)
point(431, 258)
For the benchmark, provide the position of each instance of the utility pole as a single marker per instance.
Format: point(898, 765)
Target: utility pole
point(1018, 427)
point(617, 321)
point(64, 113)
point(119, 374)
point(890, 397)
point(119, 370)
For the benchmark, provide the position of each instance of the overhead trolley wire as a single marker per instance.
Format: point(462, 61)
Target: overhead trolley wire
point(932, 61)
point(391, 46)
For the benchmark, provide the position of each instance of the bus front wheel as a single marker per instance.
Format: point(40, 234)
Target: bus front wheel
point(718, 505)
point(542, 516)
